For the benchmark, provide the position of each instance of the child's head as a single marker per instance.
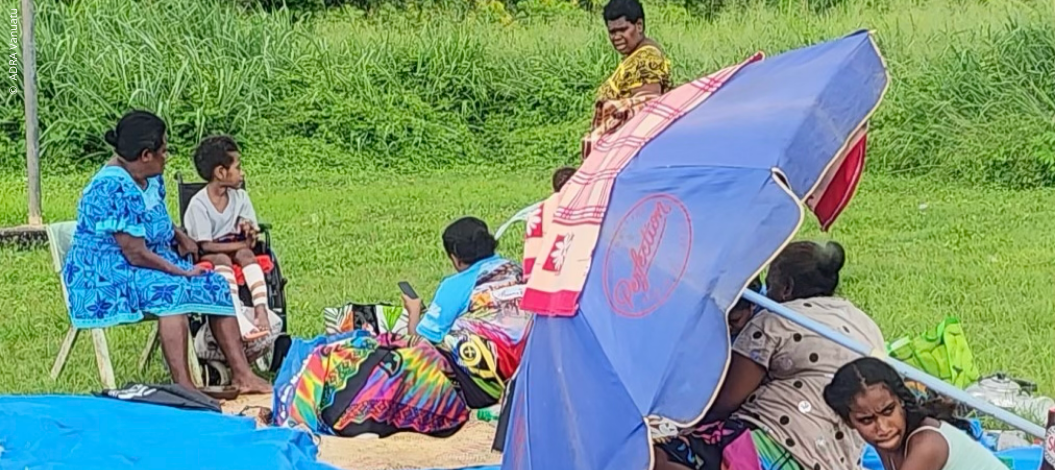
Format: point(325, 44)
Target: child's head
point(561, 176)
point(870, 396)
point(217, 159)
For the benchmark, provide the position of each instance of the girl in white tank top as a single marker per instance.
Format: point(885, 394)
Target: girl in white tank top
point(908, 435)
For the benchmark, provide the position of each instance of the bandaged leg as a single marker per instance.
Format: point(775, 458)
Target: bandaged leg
point(254, 279)
point(245, 322)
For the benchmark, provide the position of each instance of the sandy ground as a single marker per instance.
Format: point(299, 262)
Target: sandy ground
point(470, 446)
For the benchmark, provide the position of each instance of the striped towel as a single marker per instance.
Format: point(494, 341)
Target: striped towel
point(567, 243)
point(542, 218)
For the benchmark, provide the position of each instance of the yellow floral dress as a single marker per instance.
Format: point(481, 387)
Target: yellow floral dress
point(616, 102)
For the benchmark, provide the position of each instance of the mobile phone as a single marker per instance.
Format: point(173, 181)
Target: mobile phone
point(407, 290)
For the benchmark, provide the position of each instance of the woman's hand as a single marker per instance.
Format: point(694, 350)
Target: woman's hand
point(195, 271)
point(137, 254)
point(186, 244)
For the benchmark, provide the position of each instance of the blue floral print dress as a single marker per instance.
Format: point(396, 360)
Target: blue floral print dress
point(103, 288)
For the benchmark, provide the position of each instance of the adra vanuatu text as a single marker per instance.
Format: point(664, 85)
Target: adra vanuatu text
point(12, 52)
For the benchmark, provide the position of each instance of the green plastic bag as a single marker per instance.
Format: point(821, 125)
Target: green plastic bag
point(941, 352)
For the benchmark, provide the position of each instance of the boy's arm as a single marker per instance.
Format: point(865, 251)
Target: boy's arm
point(224, 247)
point(199, 228)
point(248, 212)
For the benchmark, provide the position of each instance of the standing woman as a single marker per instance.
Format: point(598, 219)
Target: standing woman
point(643, 74)
point(122, 266)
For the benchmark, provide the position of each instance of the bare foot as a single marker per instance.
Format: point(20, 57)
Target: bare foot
point(251, 385)
point(262, 322)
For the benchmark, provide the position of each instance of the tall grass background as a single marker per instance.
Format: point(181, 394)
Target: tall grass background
point(416, 87)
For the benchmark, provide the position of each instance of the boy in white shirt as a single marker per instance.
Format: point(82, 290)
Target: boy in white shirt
point(222, 220)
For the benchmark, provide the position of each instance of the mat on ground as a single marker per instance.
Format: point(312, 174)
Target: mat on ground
point(80, 432)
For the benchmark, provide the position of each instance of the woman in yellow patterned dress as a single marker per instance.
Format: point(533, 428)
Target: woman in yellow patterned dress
point(643, 75)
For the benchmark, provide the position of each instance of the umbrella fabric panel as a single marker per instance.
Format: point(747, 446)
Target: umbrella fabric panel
point(674, 253)
point(570, 404)
point(794, 111)
point(75, 432)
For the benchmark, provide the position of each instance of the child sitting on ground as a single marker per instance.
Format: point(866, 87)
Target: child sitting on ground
point(561, 176)
point(222, 220)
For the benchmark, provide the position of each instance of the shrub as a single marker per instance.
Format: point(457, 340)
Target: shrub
point(972, 94)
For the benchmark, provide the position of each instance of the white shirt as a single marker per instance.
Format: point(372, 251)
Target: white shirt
point(205, 224)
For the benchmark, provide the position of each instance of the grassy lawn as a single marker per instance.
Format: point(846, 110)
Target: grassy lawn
point(916, 253)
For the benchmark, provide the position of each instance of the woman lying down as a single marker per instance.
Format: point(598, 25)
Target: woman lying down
point(463, 349)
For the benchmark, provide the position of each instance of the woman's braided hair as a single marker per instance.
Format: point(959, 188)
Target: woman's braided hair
point(853, 378)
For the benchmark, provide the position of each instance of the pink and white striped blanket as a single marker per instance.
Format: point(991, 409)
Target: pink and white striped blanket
point(558, 258)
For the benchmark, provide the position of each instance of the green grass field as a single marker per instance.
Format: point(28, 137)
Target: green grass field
point(917, 251)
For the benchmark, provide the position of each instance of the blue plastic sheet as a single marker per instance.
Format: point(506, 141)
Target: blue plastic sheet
point(80, 432)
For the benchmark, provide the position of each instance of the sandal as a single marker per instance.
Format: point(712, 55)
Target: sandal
point(220, 392)
point(255, 335)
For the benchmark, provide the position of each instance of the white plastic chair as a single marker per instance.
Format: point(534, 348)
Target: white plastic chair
point(521, 216)
point(60, 235)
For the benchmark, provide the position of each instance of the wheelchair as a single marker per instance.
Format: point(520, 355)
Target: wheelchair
point(276, 282)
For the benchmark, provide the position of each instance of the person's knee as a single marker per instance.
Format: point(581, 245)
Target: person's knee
point(173, 321)
point(245, 257)
point(214, 319)
point(219, 259)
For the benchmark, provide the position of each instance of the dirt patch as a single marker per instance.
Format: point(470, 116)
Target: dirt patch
point(470, 446)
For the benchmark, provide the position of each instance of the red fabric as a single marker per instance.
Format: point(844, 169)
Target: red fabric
point(265, 262)
point(509, 359)
point(834, 191)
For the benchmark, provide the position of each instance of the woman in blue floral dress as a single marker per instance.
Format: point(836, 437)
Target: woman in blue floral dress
point(122, 266)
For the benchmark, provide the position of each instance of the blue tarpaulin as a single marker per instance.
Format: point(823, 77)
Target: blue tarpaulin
point(78, 432)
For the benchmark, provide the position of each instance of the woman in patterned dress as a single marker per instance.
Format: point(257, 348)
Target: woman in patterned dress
point(121, 264)
point(643, 74)
point(770, 413)
point(459, 354)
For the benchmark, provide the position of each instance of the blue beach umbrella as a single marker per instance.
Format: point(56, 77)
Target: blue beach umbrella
point(691, 218)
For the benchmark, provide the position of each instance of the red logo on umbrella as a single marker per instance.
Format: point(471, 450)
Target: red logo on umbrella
point(647, 256)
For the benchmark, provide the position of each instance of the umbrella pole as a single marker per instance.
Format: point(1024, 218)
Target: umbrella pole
point(933, 383)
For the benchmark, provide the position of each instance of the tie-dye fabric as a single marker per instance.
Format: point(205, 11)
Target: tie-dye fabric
point(358, 383)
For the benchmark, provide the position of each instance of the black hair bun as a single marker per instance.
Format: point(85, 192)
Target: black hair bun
point(111, 138)
point(482, 238)
point(831, 257)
